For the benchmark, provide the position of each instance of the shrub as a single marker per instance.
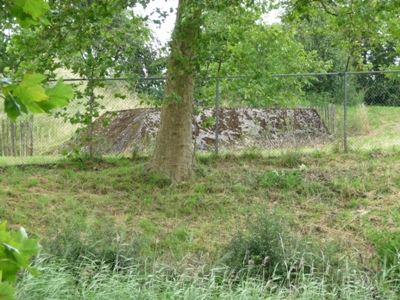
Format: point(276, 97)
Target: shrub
point(266, 247)
point(261, 247)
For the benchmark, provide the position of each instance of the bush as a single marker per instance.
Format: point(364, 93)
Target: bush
point(266, 247)
point(263, 246)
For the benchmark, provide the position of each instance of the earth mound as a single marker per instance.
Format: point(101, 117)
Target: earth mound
point(238, 128)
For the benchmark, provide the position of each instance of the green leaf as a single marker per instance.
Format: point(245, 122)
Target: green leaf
point(19, 260)
point(7, 292)
point(29, 95)
point(9, 268)
point(11, 107)
point(59, 94)
point(21, 17)
point(15, 251)
point(35, 107)
point(29, 247)
point(10, 248)
point(29, 90)
point(35, 8)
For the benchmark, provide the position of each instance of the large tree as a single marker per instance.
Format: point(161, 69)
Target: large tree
point(173, 155)
point(352, 20)
point(174, 151)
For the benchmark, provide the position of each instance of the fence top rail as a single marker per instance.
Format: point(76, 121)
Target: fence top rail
point(236, 76)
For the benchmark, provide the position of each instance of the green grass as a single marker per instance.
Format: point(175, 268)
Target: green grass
point(109, 217)
point(370, 127)
point(113, 211)
point(224, 186)
point(28, 160)
point(59, 280)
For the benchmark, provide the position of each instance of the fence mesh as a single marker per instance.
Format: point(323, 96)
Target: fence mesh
point(237, 113)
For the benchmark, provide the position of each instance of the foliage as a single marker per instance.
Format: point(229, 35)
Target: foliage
point(362, 20)
point(364, 31)
point(258, 50)
point(25, 12)
point(92, 41)
point(27, 94)
point(310, 32)
point(15, 251)
point(379, 89)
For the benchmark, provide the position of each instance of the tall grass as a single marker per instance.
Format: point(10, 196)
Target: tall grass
point(59, 280)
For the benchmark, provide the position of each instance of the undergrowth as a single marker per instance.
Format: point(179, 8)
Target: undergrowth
point(59, 281)
point(293, 226)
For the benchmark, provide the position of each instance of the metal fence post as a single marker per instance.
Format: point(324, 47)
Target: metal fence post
point(31, 136)
point(91, 120)
point(346, 148)
point(345, 114)
point(216, 115)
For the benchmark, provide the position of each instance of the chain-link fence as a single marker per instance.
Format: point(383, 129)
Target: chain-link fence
point(348, 110)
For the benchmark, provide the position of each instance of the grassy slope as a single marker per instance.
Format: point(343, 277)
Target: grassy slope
point(336, 200)
point(337, 197)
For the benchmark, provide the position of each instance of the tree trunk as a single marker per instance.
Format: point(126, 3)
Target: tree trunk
point(174, 152)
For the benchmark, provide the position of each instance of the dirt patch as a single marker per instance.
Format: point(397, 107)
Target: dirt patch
point(238, 128)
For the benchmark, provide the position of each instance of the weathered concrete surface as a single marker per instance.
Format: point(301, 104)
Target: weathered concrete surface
point(239, 128)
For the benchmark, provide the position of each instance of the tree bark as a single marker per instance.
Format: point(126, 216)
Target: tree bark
point(174, 152)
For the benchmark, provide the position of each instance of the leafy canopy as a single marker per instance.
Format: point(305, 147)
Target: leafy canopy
point(28, 93)
point(27, 12)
